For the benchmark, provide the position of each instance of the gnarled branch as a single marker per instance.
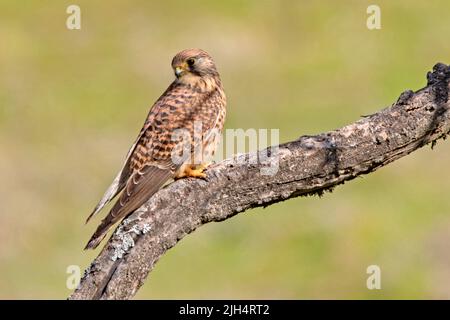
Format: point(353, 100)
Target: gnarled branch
point(309, 165)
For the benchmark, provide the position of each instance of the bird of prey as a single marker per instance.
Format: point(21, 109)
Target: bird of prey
point(178, 139)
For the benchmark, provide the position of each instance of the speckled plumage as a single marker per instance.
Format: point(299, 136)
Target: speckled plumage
point(194, 103)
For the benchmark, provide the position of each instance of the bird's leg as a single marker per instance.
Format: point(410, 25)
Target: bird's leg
point(195, 171)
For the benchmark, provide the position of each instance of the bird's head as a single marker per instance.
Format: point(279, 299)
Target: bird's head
point(191, 63)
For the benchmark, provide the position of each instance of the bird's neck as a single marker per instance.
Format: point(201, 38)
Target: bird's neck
point(204, 83)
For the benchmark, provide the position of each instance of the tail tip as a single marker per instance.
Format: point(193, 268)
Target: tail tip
point(93, 243)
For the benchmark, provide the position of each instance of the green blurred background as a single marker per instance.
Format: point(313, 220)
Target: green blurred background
point(72, 102)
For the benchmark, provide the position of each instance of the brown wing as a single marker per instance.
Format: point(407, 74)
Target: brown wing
point(130, 160)
point(118, 183)
point(127, 169)
point(140, 187)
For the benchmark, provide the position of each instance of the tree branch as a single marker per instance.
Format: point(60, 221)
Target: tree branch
point(309, 165)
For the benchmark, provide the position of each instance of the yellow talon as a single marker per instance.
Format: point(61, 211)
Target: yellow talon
point(195, 171)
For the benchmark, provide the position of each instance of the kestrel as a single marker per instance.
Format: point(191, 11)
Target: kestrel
point(178, 139)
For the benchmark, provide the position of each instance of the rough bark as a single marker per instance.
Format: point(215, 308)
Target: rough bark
point(309, 165)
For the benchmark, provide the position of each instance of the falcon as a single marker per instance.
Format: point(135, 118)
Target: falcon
point(178, 139)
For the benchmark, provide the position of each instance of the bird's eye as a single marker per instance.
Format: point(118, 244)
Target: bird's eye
point(190, 62)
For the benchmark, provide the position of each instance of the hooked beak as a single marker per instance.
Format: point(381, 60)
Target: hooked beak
point(179, 70)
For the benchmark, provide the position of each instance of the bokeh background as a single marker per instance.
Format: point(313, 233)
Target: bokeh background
point(72, 102)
